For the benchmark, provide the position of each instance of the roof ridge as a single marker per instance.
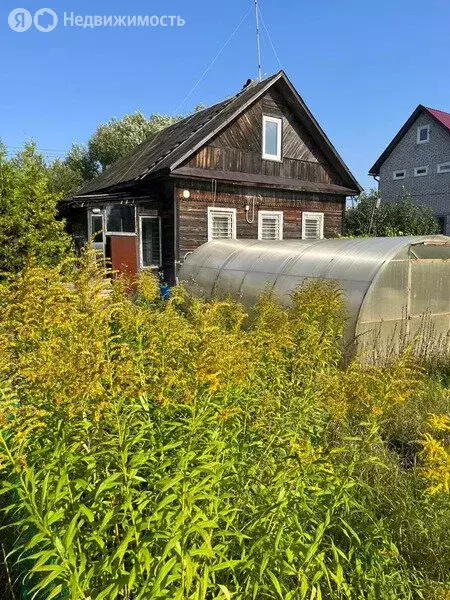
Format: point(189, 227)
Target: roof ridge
point(223, 104)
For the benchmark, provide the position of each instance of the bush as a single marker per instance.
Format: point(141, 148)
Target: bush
point(402, 217)
point(28, 225)
point(183, 450)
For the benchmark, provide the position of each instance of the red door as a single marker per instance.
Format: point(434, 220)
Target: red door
point(123, 251)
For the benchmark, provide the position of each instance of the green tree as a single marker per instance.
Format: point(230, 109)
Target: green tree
point(118, 137)
point(73, 172)
point(404, 217)
point(28, 227)
point(108, 143)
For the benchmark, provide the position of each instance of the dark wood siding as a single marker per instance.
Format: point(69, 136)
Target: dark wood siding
point(193, 217)
point(239, 146)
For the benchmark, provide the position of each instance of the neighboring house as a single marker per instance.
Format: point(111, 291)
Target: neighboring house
point(256, 165)
point(417, 161)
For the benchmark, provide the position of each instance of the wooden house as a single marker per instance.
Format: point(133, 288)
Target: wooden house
point(256, 165)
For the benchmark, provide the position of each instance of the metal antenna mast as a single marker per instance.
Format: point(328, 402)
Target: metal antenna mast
point(258, 42)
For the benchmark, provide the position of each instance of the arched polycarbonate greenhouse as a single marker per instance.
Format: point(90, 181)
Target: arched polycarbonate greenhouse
point(396, 289)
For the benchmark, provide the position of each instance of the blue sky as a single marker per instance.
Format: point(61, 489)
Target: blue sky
point(361, 67)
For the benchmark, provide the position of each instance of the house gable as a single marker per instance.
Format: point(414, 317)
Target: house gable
point(175, 146)
point(412, 167)
point(406, 136)
point(307, 155)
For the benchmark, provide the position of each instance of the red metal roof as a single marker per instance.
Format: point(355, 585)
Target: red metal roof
point(438, 115)
point(442, 117)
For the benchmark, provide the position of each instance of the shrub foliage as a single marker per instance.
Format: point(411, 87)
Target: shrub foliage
point(188, 450)
point(28, 227)
point(403, 217)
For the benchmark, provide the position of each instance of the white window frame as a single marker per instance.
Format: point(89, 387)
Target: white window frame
point(279, 123)
point(270, 213)
point(396, 175)
point(98, 246)
point(141, 246)
point(417, 169)
point(445, 170)
point(319, 216)
point(211, 210)
point(419, 129)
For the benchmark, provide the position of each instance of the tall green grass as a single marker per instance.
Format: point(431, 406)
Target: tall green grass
point(186, 450)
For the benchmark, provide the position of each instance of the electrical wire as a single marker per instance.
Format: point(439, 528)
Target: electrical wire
point(192, 90)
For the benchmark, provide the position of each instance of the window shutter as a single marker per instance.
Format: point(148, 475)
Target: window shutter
point(270, 226)
point(221, 224)
point(312, 226)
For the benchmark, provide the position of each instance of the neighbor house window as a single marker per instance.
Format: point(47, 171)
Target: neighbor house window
point(121, 218)
point(420, 171)
point(270, 225)
point(399, 174)
point(312, 226)
point(272, 135)
point(150, 241)
point(443, 167)
point(221, 223)
point(423, 134)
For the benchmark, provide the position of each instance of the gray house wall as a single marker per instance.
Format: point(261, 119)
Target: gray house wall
point(432, 189)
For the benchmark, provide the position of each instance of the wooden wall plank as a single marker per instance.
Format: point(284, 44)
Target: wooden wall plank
point(239, 147)
point(192, 213)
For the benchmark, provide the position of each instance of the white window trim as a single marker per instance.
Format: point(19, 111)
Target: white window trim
point(231, 211)
point(98, 246)
point(270, 213)
point(319, 216)
point(444, 164)
point(395, 175)
point(279, 123)
point(419, 129)
point(92, 214)
point(141, 247)
point(416, 171)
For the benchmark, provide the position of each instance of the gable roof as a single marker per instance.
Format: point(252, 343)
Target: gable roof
point(175, 144)
point(439, 116)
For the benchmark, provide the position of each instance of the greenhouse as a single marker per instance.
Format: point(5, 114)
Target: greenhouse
point(396, 289)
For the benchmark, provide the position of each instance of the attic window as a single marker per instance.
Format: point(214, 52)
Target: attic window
point(423, 134)
point(272, 135)
point(399, 174)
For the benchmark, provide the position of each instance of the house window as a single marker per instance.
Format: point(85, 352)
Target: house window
point(150, 241)
point(272, 135)
point(399, 174)
point(96, 226)
point(121, 218)
point(96, 229)
point(423, 134)
point(270, 225)
point(420, 171)
point(221, 223)
point(443, 167)
point(312, 226)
